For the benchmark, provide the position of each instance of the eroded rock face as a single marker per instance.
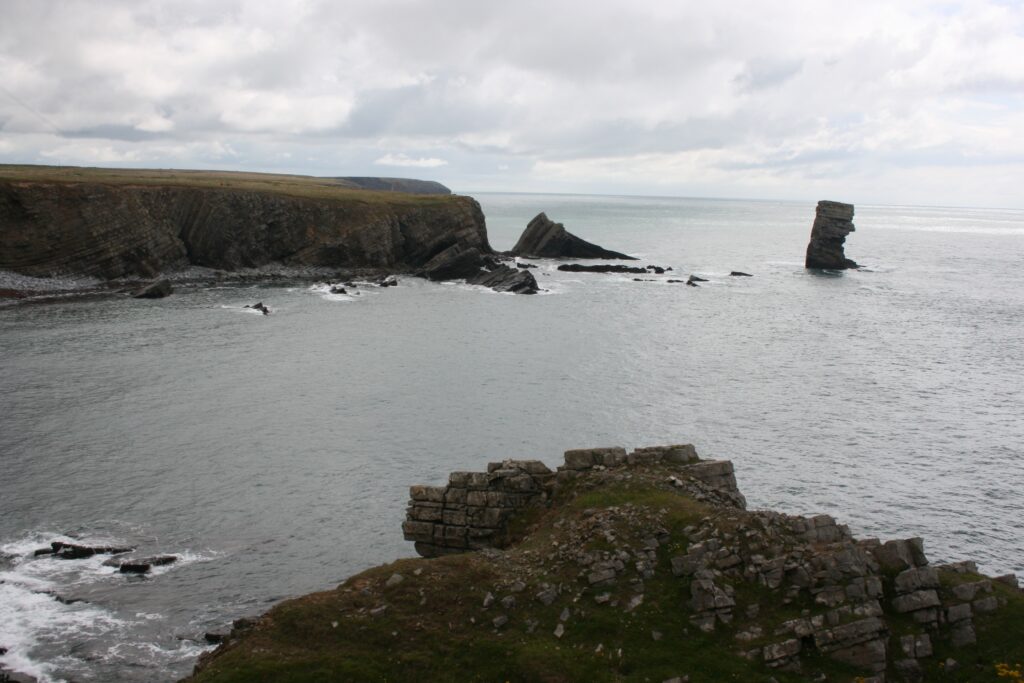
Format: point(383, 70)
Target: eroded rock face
point(833, 221)
point(543, 238)
point(113, 231)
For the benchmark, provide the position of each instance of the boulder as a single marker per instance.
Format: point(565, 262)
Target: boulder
point(505, 279)
point(259, 307)
point(543, 238)
point(143, 565)
point(833, 221)
point(154, 290)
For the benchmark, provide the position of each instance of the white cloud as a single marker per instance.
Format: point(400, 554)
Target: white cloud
point(403, 160)
point(732, 99)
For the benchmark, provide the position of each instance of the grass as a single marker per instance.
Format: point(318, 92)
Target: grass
point(290, 185)
point(435, 628)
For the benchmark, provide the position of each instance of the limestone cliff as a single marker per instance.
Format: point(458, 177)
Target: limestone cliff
point(638, 566)
point(113, 224)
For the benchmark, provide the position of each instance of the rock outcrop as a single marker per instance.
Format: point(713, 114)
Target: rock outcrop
point(473, 510)
point(543, 238)
point(833, 221)
point(113, 231)
point(642, 565)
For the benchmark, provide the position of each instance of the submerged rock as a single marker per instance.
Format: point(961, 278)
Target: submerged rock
point(543, 238)
point(833, 221)
point(154, 290)
point(599, 268)
point(73, 551)
point(259, 307)
point(143, 565)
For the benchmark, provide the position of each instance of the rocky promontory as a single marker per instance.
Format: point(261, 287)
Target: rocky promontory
point(109, 223)
point(833, 221)
point(643, 565)
point(543, 238)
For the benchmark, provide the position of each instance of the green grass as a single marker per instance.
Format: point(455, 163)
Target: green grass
point(436, 629)
point(290, 185)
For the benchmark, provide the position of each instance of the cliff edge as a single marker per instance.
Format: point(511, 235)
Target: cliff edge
point(111, 223)
point(638, 566)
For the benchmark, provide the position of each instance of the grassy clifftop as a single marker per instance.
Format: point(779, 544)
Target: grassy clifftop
point(641, 573)
point(308, 187)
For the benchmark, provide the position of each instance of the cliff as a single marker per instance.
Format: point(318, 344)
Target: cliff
point(121, 223)
point(639, 566)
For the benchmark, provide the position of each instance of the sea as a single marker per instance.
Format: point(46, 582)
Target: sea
point(273, 454)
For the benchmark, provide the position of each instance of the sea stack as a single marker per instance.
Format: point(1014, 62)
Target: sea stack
point(543, 238)
point(833, 221)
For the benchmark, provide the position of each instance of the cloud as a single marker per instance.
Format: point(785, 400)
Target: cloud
point(732, 99)
point(403, 160)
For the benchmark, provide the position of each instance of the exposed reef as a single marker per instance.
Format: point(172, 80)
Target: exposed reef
point(833, 221)
point(642, 565)
point(543, 238)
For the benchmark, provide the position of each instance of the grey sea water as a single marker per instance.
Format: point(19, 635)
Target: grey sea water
point(274, 453)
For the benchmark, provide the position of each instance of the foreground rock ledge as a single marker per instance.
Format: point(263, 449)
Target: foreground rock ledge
point(833, 221)
point(641, 565)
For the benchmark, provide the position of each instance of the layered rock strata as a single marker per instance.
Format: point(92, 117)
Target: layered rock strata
point(543, 238)
point(473, 510)
point(123, 230)
point(790, 589)
point(833, 221)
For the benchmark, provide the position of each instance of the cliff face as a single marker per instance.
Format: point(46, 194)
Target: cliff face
point(119, 230)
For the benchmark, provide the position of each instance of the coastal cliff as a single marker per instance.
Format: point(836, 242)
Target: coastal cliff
point(115, 224)
point(642, 566)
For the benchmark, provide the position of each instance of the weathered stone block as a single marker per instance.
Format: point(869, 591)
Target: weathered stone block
point(455, 496)
point(911, 580)
point(585, 458)
point(416, 530)
point(422, 513)
point(911, 602)
point(434, 494)
point(458, 479)
point(454, 517)
point(958, 613)
point(779, 651)
point(985, 605)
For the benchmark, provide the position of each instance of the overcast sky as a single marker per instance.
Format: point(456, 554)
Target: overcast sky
point(888, 101)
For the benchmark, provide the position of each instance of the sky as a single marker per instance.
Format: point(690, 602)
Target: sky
point(891, 102)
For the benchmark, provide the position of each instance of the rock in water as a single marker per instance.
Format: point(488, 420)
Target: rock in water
point(832, 223)
point(503, 278)
point(154, 290)
point(543, 238)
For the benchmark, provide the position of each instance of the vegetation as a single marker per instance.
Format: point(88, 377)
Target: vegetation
point(290, 185)
point(443, 619)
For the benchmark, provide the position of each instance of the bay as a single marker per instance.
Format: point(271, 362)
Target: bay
point(274, 453)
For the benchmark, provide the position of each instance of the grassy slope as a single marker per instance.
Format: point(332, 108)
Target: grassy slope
point(434, 626)
point(290, 185)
